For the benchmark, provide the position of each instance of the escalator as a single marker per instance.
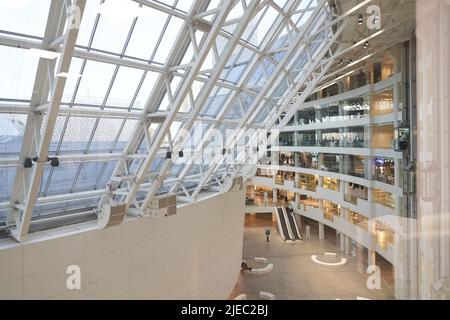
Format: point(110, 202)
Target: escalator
point(292, 224)
point(282, 226)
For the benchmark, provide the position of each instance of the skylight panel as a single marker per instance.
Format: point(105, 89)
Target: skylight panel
point(94, 83)
point(146, 34)
point(105, 134)
point(18, 72)
point(125, 135)
point(88, 22)
point(75, 136)
point(125, 86)
point(7, 177)
point(168, 40)
point(112, 30)
point(12, 128)
point(145, 90)
point(24, 16)
point(71, 82)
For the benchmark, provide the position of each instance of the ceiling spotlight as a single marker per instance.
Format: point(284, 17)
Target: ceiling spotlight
point(366, 45)
point(168, 155)
point(181, 154)
point(360, 19)
point(350, 61)
point(341, 61)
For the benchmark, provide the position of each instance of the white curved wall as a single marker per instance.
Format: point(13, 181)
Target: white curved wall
point(193, 255)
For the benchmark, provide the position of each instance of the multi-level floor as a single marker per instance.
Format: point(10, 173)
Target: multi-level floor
point(342, 160)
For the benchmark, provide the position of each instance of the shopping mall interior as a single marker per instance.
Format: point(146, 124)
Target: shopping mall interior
point(224, 150)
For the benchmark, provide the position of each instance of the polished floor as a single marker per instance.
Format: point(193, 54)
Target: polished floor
point(295, 276)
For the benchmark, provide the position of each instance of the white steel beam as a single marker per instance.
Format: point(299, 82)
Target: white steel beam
point(178, 102)
point(274, 30)
point(270, 86)
point(175, 57)
point(57, 90)
point(249, 13)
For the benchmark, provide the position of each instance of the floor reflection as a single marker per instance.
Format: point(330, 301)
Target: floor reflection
point(295, 276)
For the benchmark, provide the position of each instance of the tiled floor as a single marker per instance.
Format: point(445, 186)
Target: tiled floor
point(295, 276)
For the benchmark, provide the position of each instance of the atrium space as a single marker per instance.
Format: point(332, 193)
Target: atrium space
point(224, 150)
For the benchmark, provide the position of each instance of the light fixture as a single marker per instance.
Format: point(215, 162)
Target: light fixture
point(44, 54)
point(360, 19)
point(181, 154)
point(366, 44)
point(350, 61)
point(341, 61)
point(169, 155)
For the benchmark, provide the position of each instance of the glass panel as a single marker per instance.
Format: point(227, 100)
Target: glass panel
point(7, 175)
point(94, 84)
point(12, 129)
point(88, 21)
point(24, 16)
point(170, 34)
point(114, 25)
point(125, 135)
point(141, 44)
point(18, 71)
point(61, 180)
point(124, 87)
point(107, 174)
point(76, 135)
point(145, 90)
point(105, 135)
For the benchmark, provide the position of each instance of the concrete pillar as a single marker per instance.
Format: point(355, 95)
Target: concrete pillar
point(348, 245)
point(371, 260)
point(342, 242)
point(433, 117)
point(360, 259)
point(275, 196)
point(321, 231)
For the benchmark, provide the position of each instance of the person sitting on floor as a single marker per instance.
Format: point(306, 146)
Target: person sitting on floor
point(245, 267)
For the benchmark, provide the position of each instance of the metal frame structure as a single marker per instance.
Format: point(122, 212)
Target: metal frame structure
point(255, 81)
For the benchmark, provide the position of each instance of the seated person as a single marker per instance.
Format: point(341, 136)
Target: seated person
point(245, 267)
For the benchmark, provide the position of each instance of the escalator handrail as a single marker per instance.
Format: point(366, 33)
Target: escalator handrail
point(283, 224)
point(294, 226)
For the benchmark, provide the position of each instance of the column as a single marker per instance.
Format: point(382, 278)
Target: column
point(342, 242)
point(360, 258)
point(321, 231)
point(371, 254)
point(348, 245)
point(433, 117)
point(275, 196)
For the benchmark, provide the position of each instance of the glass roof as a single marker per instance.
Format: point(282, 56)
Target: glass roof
point(131, 63)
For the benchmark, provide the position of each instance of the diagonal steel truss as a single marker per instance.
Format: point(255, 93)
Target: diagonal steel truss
point(310, 49)
point(28, 181)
